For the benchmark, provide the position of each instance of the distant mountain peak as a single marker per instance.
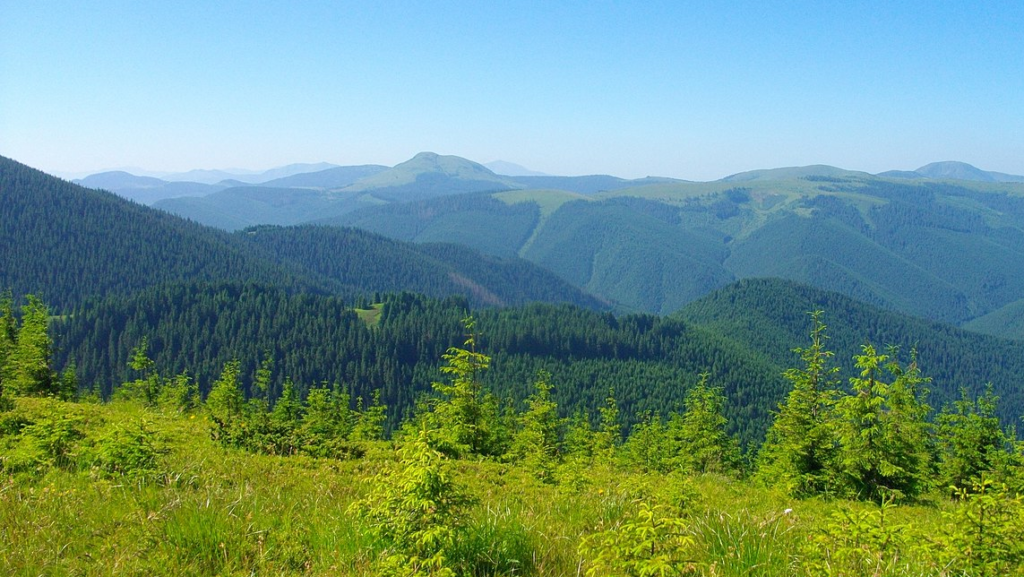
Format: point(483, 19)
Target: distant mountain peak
point(506, 168)
point(955, 170)
point(793, 172)
point(433, 165)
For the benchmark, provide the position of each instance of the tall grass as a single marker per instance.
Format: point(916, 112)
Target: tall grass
point(205, 510)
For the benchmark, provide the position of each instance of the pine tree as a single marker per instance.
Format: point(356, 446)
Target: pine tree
point(970, 441)
point(707, 446)
point(462, 413)
point(369, 421)
point(146, 388)
point(536, 441)
point(225, 404)
point(30, 371)
point(883, 434)
point(417, 510)
point(609, 434)
point(284, 420)
point(800, 452)
point(8, 339)
point(648, 449)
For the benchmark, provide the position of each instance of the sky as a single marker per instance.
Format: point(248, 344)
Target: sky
point(694, 89)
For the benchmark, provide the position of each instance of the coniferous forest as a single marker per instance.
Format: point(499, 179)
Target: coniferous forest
point(177, 400)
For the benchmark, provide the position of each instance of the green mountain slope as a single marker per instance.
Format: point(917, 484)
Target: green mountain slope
point(650, 362)
point(770, 316)
point(641, 259)
point(239, 207)
point(589, 184)
point(337, 177)
point(65, 243)
point(944, 250)
point(479, 221)
point(364, 262)
point(832, 255)
point(1006, 322)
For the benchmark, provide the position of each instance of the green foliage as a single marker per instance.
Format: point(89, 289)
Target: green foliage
point(739, 542)
point(536, 440)
point(8, 339)
point(883, 435)
point(649, 446)
point(37, 443)
point(466, 418)
point(326, 421)
point(800, 452)
point(225, 403)
point(417, 511)
point(369, 424)
point(30, 372)
point(858, 542)
point(145, 389)
point(984, 535)
point(179, 394)
point(128, 449)
point(970, 441)
point(652, 540)
point(608, 436)
point(706, 446)
point(769, 316)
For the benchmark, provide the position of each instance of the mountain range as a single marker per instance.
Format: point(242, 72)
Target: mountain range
point(114, 271)
point(942, 242)
point(67, 243)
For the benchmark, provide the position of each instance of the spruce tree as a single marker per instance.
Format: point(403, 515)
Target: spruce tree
point(970, 441)
point(225, 404)
point(30, 371)
point(8, 336)
point(369, 421)
point(536, 440)
point(608, 437)
point(800, 452)
point(883, 435)
point(464, 414)
point(708, 448)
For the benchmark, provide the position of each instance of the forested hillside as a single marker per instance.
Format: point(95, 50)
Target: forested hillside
point(942, 250)
point(743, 336)
point(311, 339)
point(365, 262)
point(770, 316)
point(66, 243)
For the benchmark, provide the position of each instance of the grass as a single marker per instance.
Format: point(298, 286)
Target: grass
point(548, 201)
point(206, 510)
point(370, 316)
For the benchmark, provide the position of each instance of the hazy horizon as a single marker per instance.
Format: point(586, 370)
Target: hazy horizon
point(696, 93)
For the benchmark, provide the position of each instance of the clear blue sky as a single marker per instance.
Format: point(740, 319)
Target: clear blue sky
point(695, 90)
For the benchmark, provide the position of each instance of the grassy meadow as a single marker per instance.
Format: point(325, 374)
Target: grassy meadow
point(119, 489)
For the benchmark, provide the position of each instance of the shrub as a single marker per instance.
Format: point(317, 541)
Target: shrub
point(127, 449)
point(417, 511)
point(40, 444)
point(650, 540)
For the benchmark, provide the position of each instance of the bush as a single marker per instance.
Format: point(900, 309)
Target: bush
point(984, 535)
point(126, 450)
point(34, 446)
point(650, 540)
